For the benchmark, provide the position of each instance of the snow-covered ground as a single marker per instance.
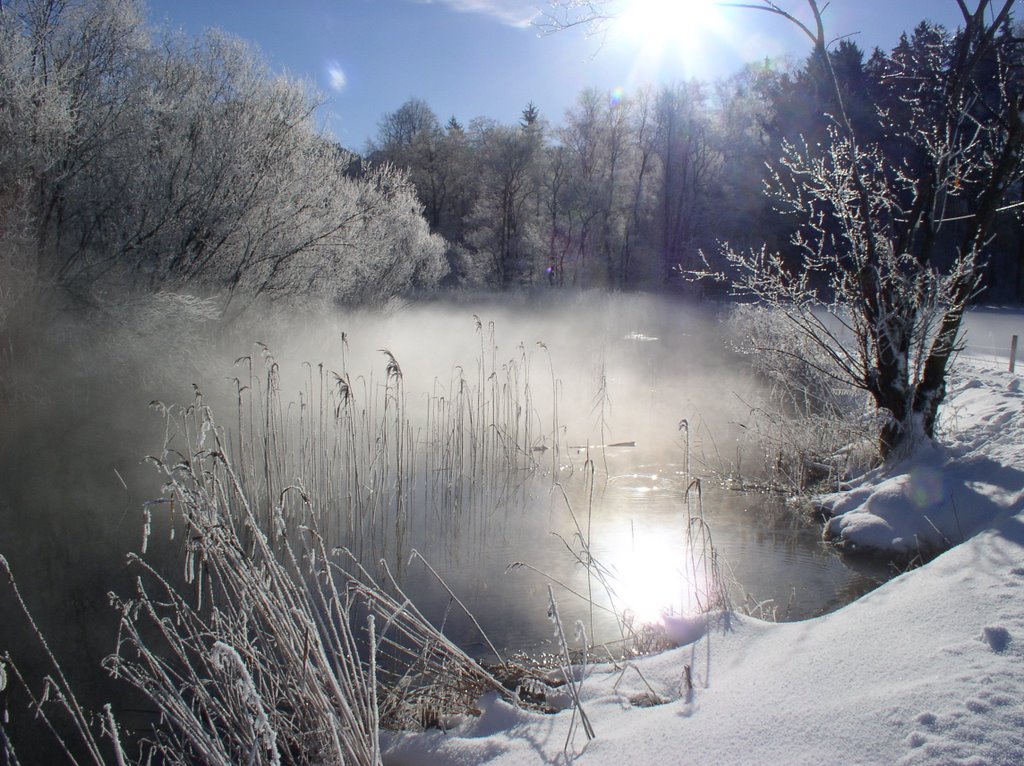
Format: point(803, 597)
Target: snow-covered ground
point(944, 493)
point(928, 669)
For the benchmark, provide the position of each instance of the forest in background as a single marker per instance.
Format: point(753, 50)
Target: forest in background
point(133, 157)
point(135, 160)
point(627, 189)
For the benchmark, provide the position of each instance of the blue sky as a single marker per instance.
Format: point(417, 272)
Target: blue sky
point(471, 58)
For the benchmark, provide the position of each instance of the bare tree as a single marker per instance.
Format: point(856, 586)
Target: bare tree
point(503, 233)
point(689, 163)
point(873, 223)
point(411, 138)
point(587, 181)
point(601, 180)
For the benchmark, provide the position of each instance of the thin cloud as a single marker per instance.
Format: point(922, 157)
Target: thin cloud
point(515, 13)
point(336, 77)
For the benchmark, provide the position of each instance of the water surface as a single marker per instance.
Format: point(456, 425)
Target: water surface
point(644, 371)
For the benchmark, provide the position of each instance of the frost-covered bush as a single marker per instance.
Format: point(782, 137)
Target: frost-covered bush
point(187, 164)
point(393, 251)
point(148, 337)
point(809, 425)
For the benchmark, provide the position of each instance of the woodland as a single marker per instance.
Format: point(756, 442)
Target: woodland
point(135, 160)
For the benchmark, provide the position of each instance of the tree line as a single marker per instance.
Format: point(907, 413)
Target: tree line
point(615, 197)
point(133, 157)
point(631, 190)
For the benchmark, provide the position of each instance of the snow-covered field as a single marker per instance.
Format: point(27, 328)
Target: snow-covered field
point(928, 669)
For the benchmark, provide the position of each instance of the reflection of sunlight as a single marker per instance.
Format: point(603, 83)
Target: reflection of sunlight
point(652, 575)
point(636, 483)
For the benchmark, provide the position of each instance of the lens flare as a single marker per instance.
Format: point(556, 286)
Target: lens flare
point(336, 78)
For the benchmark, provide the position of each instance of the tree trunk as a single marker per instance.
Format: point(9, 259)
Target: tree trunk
point(897, 427)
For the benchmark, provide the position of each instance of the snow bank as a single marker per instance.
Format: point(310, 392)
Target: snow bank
point(942, 495)
point(927, 669)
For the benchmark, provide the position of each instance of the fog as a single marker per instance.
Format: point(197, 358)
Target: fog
point(626, 370)
point(988, 331)
point(661, 360)
point(73, 481)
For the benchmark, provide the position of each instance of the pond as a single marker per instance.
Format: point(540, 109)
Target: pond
point(773, 562)
point(592, 417)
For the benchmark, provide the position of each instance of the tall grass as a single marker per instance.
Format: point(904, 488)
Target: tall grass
point(57, 706)
point(288, 648)
point(286, 635)
point(373, 459)
point(290, 520)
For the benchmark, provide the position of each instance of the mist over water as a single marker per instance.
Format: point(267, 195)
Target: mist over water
point(658, 358)
point(625, 370)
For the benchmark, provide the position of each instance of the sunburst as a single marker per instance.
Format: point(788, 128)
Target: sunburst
point(675, 28)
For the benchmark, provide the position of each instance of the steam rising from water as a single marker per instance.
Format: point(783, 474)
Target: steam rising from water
point(626, 369)
point(644, 362)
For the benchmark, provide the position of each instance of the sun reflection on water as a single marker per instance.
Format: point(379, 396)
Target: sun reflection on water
point(653, 571)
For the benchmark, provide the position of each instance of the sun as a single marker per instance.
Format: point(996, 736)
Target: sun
point(652, 573)
point(670, 34)
point(665, 23)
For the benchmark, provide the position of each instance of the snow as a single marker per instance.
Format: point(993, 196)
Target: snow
point(682, 629)
point(942, 493)
point(927, 669)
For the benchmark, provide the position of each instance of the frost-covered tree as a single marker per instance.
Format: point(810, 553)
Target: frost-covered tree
point(599, 195)
point(587, 188)
point(503, 233)
point(443, 166)
point(411, 138)
point(65, 72)
point(892, 232)
point(689, 163)
point(744, 141)
point(130, 158)
point(877, 289)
